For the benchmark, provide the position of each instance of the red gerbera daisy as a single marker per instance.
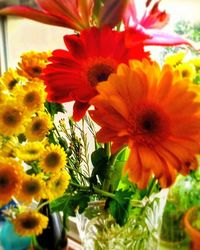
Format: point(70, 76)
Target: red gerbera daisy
point(91, 57)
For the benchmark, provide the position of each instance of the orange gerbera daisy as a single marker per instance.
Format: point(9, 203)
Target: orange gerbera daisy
point(155, 114)
point(91, 58)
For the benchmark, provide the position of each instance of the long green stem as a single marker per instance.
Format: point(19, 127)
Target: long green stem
point(96, 190)
point(110, 169)
point(42, 205)
point(151, 186)
point(103, 193)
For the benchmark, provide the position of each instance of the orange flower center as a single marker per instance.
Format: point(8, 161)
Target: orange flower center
point(99, 69)
point(149, 124)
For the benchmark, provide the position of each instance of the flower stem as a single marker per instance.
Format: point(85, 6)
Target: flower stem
point(96, 190)
point(151, 186)
point(42, 205)
point(103, 193)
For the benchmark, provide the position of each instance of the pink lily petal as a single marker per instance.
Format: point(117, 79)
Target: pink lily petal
point(165, 39)
point(130, 14)
point(154, 18)
point(152, 37)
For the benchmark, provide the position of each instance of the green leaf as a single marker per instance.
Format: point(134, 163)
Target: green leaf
point(99, 160)
point(69, 203)
point(54, 108)
point(119, 206)
point(118, 167)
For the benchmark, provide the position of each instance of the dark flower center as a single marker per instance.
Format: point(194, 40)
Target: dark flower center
point(148, 124)
point(12, 84)
point(37, 70)
point(99, 69)
point(32, 187)
point(4, 181)
point(37, 125)
point(30, 97)
point(185, 73)
point(29, 223)
point(11, 117)
point(52, 159)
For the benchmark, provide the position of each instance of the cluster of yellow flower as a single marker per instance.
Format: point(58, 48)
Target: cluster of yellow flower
point(186, 67)
point(31, 168)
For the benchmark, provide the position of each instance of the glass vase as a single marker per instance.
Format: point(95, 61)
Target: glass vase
point(99, 231)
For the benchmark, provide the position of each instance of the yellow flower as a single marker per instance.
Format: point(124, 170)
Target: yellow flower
point(57, 184)
point(53, 159)
point(8, 147)
point(4, 94)
point(32, 63)
point(12, 118)
point(39, 127)
point(30, 151)
point(10, 179)
point(186, 70)
point(196, 62)
point(175, 59)
point(11, 79)
point(32, 95)
point(30, 223)
point(32, 187)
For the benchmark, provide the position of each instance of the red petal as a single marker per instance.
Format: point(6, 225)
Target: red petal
point(79, 110)
point(34, 14)
point(75, 46)
point(40, 16)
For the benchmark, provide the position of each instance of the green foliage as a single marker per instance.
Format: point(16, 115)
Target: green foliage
point(119, 206)
point(99, 160)
point(54, 108)
point(195, 218)
point(182, 196)
point(70, 203)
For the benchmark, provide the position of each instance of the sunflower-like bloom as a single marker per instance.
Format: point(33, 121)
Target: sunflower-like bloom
point(11, 79)
point(186, 70)
point(57, 184)
point(175, 59)
point(32, 187)
point(4, 94)
point(30, 151)
point(30, 223)
point(32, 95)
point(12, 118)
point(32, 63)
point(53, 159)
point(10, 179)
point(39, 127)
point(8, 147)
point(155, 114)
point(90, 59)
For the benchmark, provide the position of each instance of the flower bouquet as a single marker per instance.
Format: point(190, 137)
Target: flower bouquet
point(135, 125)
